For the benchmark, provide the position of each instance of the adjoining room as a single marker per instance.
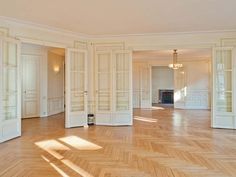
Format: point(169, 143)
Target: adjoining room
point(156, 84)
point(43, 81)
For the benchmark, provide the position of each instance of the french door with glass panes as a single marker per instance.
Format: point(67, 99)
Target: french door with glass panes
point(76, 88)
point(103, 74)
point(10, 115)
point(113, 71)
point(224, 75)
point(122, 88)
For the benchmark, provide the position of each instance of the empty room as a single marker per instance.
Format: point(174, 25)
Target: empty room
point(117, 88)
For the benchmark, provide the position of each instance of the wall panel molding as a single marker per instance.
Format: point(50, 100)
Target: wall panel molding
point(55, 105)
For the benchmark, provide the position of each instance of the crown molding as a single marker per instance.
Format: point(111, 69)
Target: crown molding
point(164, 34)
point(94, 37)
point(44, 27)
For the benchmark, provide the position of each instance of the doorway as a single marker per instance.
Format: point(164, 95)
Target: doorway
point(188, 87)
point(42, 80)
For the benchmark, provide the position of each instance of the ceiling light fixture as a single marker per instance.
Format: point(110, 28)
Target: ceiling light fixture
point(175, 64)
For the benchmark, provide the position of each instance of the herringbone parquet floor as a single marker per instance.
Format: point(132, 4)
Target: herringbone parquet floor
point(162, 142)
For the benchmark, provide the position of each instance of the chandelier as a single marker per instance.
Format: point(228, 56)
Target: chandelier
point(175, 64)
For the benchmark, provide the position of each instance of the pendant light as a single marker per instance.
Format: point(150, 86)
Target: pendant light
point(175, 64)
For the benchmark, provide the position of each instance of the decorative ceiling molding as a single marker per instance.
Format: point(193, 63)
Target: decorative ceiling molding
point(43, 27)
point(94, 37)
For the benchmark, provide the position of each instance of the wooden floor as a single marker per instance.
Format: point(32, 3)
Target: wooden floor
point(162, 142)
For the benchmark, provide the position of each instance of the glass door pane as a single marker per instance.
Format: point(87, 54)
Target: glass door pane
point(104, 80)
point(122, 83)
point(223, 80)
point(76, 88)
point(9, 86)
point(77, 80)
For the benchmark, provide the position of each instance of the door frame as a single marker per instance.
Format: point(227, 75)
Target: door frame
point(43, 44)
point(210, 46)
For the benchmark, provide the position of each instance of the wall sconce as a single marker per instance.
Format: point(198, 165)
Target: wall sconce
point(56, 69)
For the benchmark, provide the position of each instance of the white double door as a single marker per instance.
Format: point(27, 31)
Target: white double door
point(113, 75)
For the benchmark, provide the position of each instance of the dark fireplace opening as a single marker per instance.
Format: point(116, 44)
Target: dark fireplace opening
point(166, 96)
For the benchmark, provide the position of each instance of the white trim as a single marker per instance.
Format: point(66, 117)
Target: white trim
point(67, 89)
point(1, 83)
point(41, 42)
point(162, 34)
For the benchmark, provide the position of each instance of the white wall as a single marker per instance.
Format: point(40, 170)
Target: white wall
point(55, 83)
point(162, 78)
point(198, 81)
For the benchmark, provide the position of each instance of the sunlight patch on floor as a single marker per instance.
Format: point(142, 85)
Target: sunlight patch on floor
point(51, 146)
point(79, 143)
point(76, 168)
point(157, 108)
point(145, 119)
point(61, 172)
point(153, 108)
point(69, 164)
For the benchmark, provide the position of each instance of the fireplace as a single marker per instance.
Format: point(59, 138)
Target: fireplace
point(166, 96)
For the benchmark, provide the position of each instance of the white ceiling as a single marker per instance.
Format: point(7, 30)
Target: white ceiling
point(117, 17)
point(183, 54)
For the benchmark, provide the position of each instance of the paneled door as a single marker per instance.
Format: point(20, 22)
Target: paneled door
point(76, 88)
point(10, 102)
point(224, 75)
point(145, 85)
point(103, 74)
point(30, 85)
point(122, 91)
